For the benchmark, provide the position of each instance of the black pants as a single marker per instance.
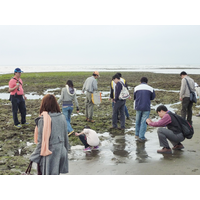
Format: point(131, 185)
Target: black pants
point(119, 106)
point(83, 140)
point(187, 109)
point(18, 102)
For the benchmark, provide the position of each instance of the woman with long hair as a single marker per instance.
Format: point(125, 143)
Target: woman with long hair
point(51, 137)
point(68, 95)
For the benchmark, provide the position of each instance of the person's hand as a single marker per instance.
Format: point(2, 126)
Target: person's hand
point(77, 111)
point(181, 99)
point(76, 134)
point(17, 86)
point(148, 121)
point(25, 97)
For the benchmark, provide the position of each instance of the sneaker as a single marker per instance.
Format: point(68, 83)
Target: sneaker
point(17, 126)
point(87, 149)
point(178, 147)
point(136, 137)
point(95, 148)
point(70, 133)
point(25, 124)
point(165, 150)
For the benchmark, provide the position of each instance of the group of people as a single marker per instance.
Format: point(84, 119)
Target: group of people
point(53, 127)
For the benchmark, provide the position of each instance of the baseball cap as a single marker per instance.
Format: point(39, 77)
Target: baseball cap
point(18, 70)
point(96, 73)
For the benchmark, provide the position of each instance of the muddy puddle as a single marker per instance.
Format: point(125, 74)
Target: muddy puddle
point(118, 148)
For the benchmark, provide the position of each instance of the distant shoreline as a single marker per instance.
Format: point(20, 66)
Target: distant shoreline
point(163, 69)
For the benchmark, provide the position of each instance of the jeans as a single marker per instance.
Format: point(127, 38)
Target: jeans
point(67, 112)
point(187, 109)
point(84, 140)
point(18, 102)
point(119, 106)
point(141, 126)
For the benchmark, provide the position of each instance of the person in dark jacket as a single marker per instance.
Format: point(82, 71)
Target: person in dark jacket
point(143, 94)
point(173, 131)
point(119, 105)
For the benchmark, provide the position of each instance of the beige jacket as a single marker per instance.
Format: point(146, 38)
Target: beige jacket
point(184, 91)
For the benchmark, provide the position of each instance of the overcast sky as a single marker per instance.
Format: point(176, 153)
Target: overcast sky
point(68, 44)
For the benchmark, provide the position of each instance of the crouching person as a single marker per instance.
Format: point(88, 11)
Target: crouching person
point(173, 131)
point(89, 138)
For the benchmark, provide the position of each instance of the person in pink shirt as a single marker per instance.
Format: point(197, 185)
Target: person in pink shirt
point(17, 98)
point(169, 129)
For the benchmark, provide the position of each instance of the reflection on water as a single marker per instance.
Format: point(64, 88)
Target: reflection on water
point(141, 154)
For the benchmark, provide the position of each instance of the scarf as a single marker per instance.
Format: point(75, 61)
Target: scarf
point(69, 91)
point(45, 134)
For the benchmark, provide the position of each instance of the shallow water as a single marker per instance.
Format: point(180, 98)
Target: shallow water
point(123, 148)
point(34, 95)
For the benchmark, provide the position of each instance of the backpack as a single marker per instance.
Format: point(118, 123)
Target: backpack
point(124, 94)
point(186, 127)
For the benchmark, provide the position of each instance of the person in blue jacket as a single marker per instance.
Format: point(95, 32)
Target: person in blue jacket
point(143, 94)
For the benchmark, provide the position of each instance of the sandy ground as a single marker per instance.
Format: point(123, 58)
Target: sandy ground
point(124, 156)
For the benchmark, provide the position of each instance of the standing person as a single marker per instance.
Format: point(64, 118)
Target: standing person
point(112, 92)
point(119, 105)
point(17, 98)
point(51, 137)
point(68, 95)
point(143, 94)
point(185, 96)
point(90, 86)
point(173, 131)
point(89, 138)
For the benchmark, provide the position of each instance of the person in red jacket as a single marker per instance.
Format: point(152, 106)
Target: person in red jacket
point(17, 98)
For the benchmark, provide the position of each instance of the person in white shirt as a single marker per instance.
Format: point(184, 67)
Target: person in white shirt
point(89, 138)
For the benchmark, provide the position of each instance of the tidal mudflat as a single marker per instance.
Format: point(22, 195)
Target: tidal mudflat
point(117, 148)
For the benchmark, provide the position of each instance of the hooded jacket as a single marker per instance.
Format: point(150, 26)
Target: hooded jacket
point(68, 95)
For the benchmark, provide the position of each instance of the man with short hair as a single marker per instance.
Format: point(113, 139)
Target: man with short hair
point(90, 85)
point(119, 104)
point(112, 92)
point(17, 98)
point(143, 94)
point(173, 131)
point(185, 96)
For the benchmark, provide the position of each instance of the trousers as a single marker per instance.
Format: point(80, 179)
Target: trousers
point(187, 109)
point(89, 106)
point(84, 140)
point(67, 113)
point(164, 134)
point(18, 103)
point(119, 106)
